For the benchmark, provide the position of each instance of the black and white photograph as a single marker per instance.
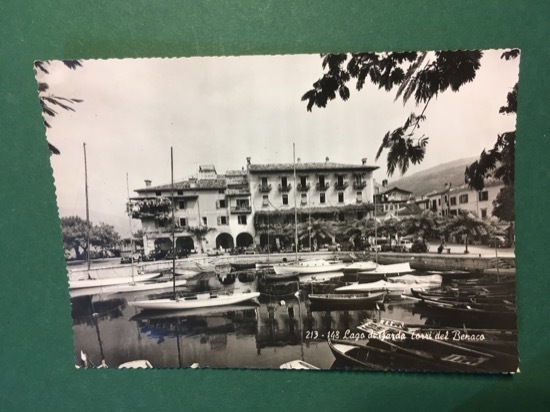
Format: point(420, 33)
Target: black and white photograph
point(349, 211)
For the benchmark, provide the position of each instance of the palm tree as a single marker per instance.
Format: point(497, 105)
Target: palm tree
point(424, 226)
point(391, 227)
point(465, 224)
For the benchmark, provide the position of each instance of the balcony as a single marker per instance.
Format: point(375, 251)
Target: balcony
point(239, 210)
point(285, 189)
point(264, 188)
point(359, 185)
point(340, 186)
point(303, 188)
point(320, 186)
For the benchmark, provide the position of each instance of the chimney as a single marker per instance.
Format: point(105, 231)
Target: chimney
point(326, 159)
point(147, 183)
point(364, 160)
point(248, 159)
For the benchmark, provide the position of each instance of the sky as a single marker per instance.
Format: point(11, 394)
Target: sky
point(220, 110)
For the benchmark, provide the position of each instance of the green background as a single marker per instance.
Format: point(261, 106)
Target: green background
point(36, 348)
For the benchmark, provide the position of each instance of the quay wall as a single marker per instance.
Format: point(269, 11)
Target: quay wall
point(421, 261)
point(418, 261)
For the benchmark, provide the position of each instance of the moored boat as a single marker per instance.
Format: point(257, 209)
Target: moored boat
point(309, 267)
point(360, 267)
point(94, 283)
point(343, 300)
point(298, 364)
point(382, 285)
point(201, 300)
point(352, 354)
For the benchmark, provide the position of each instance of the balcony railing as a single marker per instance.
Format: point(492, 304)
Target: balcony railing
point(241, 210)
point(320, 186)
point(340, 186)
point(265, 188)
point(303, 188)
point(359, 185)
point(286, 188)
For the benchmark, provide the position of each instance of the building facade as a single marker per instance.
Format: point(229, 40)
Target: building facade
point(452, 200)
point(242, 208)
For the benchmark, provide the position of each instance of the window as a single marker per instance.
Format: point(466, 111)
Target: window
point(205, 221)
point(303, 181)
point(484, 213)
point(434, 204)
point(220, 204)
point(304, 198)
point(284, 181)
point(321, 180)
point(264, 181)
point(242, 203)
point(157, 193)
point(241, 219)
point(222, 220)
point(340, 180)
point(322, 198)
point(359, 197)
point(341, 197)
point(446, 199)
point(439, 202)
point(183, 222)
point(265, 200)
point(162, 223)
point(483, 196)
point(463, 198)
point(180, 192)
point(181, 204)
point(453, 201)
point(285, 199)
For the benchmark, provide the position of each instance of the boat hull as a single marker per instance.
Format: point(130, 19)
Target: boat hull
point(198, 302)
point(305, 268)
point(94, 283)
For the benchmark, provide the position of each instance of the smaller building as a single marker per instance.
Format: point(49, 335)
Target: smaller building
point(451, 200)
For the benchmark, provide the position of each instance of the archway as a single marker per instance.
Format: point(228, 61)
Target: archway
point(163, 243)
point(185, 243)
point(225, 241)
point(244, 239)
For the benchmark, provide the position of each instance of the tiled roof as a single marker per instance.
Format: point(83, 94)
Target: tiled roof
point(199, 184)
point(396, 189)
point(235, 173)
point(301, 167)
point(207, 168)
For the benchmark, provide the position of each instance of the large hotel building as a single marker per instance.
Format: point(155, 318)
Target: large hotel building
point(252, 207)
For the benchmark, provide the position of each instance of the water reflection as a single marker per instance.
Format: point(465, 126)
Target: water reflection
point(283, 326)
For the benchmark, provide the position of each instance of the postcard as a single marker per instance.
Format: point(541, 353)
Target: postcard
point(323, 212)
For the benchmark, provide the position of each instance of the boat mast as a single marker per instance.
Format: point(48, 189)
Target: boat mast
point(87, 211)
point(131, 231)
point(375, 227)
point(295, 210)
point(173, 224)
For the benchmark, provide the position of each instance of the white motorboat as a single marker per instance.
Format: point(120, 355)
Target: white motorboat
point(201, 300)
point(395, 269)
point(360, 267)
point(309, 267)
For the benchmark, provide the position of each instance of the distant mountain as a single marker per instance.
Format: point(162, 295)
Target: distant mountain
point(421, 183)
